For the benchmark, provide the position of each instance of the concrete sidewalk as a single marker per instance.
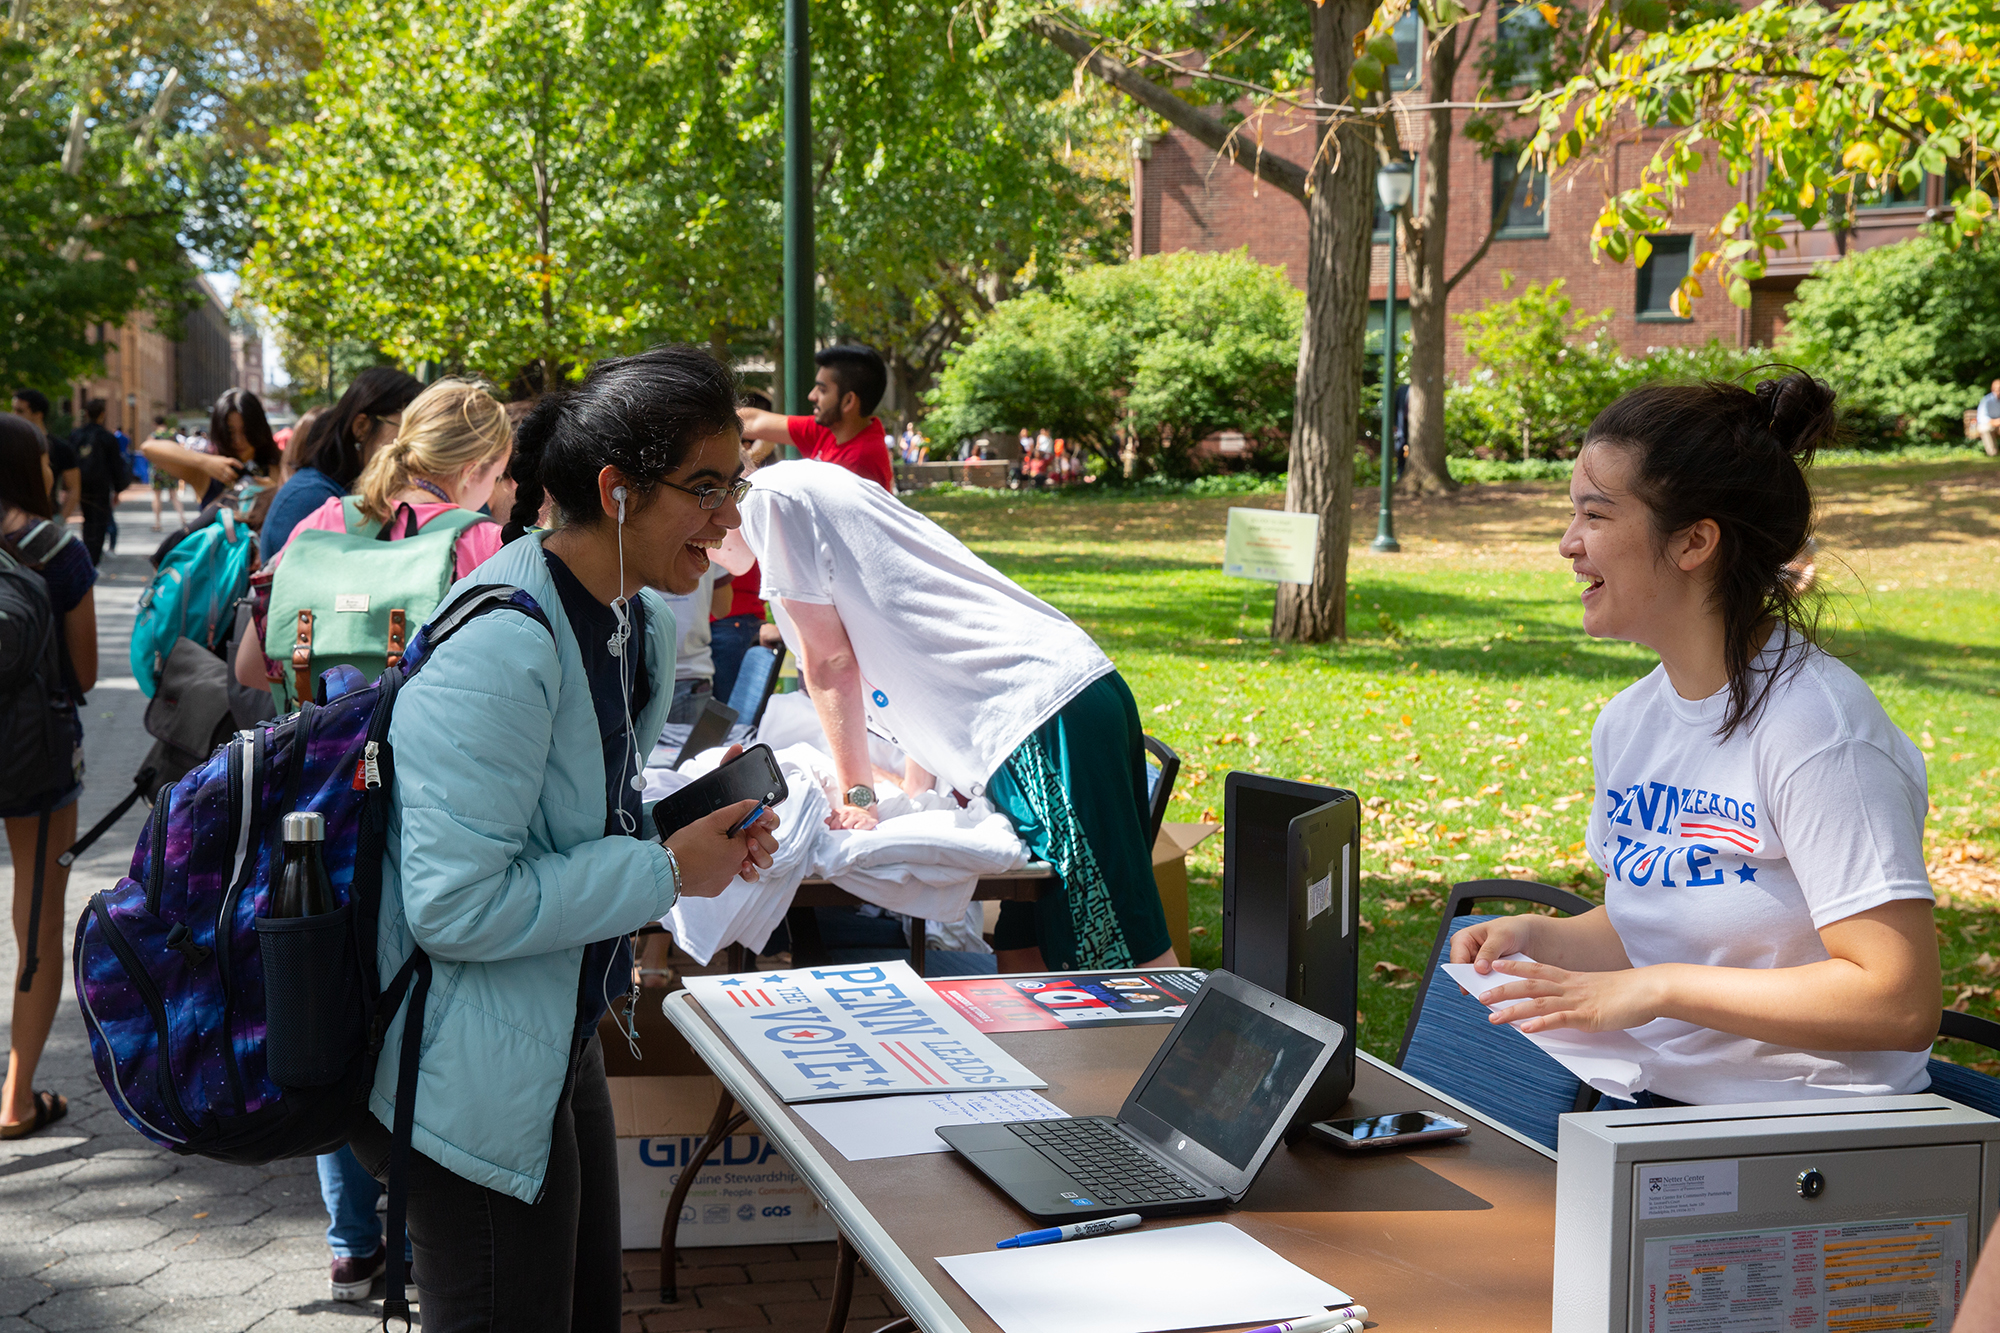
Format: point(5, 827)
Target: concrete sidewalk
point(98, 1228)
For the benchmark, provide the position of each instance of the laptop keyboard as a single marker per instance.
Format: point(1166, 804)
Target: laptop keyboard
point(1104, 1161)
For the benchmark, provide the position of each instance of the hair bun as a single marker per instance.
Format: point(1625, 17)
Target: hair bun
point(1799, 413)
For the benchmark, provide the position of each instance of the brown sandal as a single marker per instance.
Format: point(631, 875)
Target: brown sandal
point(49, 1108)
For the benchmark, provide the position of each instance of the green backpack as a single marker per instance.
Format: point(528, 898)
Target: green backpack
point(356, 597)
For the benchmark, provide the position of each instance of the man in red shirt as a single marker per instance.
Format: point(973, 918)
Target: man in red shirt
point(842, 428)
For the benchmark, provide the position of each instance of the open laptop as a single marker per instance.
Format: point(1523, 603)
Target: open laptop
point(1193, 1132)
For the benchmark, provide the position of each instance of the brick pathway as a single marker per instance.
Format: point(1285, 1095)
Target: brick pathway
point(749, 1286)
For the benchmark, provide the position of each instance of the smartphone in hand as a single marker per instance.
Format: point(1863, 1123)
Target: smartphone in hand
point(751, 776)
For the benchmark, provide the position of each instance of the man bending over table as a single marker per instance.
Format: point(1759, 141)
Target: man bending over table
point(903, 631)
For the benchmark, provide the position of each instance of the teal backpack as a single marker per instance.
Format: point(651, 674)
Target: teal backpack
point(201, 574)
point(355, 597)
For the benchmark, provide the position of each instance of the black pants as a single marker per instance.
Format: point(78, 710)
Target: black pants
point(485, 1261)
point(96, 523)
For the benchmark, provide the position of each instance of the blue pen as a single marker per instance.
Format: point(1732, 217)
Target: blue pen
point(755, 815)
point(1103, 1226)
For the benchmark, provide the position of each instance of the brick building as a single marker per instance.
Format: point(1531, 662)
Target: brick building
point(1184, 198)
point(147, 375)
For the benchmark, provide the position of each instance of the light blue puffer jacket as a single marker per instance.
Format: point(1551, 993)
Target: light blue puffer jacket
point(497, 864)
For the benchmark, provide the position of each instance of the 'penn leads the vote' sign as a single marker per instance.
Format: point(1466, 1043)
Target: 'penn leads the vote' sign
point(817, 1033)
point(1271, 545)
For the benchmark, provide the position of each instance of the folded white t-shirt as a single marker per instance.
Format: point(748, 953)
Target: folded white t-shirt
point(1734, 854)
point(960, 663)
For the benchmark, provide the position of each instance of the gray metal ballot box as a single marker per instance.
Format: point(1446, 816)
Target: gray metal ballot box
point(1847, 1215)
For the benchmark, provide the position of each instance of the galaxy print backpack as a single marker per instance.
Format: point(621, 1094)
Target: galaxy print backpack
point(217, 1029)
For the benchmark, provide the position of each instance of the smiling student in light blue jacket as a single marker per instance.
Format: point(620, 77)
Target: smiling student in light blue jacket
point(519, 856)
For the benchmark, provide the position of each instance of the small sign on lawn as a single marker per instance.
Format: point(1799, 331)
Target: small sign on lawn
point(1271, 545)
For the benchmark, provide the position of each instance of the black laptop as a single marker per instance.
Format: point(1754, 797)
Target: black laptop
point(1193, 1132)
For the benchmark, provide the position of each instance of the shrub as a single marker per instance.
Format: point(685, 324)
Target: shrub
point(1909, 332)
point(1169, 348)
point(1547, 371)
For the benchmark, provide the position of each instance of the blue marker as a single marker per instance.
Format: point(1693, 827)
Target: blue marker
point(1103, 1226)
point(755, 815)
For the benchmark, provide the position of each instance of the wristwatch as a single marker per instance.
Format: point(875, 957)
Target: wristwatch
point(860, 797)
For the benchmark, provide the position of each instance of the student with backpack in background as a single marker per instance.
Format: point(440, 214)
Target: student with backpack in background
point(349, 586)
point(102, 474)
point(367, 417)
point(519, 857)
point(48, 658)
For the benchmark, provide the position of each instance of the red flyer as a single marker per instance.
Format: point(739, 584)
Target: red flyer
point(1045, 1001)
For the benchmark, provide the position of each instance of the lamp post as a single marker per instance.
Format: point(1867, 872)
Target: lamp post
point(796, 376)
point(1392, 187)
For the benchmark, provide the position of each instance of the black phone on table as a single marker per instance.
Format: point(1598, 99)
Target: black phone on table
point(751, 776)
point(1398, 1130)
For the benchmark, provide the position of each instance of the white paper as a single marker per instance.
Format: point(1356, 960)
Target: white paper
point(1612, 1062)
point(864, 1030)
point(1140, 1282)
point(1901, 1274)
point(1687, 1189)
point(902, 1126)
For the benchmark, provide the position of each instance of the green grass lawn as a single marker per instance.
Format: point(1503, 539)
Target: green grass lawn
point(1461, 705)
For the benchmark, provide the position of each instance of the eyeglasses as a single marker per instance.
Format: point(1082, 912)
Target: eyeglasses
point(711, 497)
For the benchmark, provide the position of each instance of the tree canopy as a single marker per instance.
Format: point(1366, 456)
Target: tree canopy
point(499, 189)
point(1807, 102)
point(123, 143)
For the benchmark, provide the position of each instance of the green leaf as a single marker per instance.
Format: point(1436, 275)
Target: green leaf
point(1366, 74)
point(1739, 293)
point(1645, 15)
point(1642, 250)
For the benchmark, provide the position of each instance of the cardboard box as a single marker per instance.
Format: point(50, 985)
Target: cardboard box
point(746, 1193)
point(1170, 852)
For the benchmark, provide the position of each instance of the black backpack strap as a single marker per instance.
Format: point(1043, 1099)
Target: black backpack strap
point(416, 974)
point(29, 961)
point(38, 543)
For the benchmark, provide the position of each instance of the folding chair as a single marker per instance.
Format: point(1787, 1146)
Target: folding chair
point(1162, 767)
point(1967, 1087)
point(1450, 1045)
point(756, 682)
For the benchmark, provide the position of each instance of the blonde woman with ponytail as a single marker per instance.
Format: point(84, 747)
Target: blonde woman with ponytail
point(454, 446)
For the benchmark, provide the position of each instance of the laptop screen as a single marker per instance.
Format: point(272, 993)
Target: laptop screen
point(1229, 1075)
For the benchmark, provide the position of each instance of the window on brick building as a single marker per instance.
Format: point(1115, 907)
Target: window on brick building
point(1409, 49)
point(1661, 274)
point(1892, 195)
point(1519, 53)
point(1528, 214)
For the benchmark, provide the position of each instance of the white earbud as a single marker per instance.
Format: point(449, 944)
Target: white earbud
point(616, 646)
point(618, 494)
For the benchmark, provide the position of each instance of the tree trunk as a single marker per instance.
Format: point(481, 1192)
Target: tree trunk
point(1327, 399)
point(1424, 239)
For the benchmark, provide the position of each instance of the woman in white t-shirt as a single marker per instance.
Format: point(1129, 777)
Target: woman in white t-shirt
point(903, 631)
point(1767, 922)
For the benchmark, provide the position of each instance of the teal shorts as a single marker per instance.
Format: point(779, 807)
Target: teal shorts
point(1076, 793)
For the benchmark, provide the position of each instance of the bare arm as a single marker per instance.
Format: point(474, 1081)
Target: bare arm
point(720, 597)
point(1879, 991)
point(761, 430)
point(827, 658)
point(250, 661)
point(72, 492)
point(916, 778)
point(80, 637)
point(1584, 943)
point(196, 469)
